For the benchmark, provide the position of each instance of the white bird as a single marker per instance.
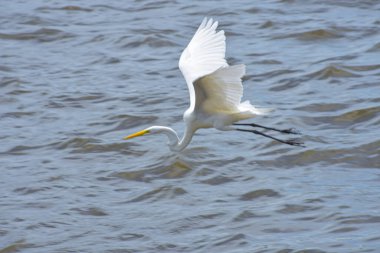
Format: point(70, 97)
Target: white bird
point(215, 91)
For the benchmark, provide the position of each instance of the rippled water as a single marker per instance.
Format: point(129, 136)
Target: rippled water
point(77, 76)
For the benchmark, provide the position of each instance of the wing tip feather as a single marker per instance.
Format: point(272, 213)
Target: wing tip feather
point(208, 24)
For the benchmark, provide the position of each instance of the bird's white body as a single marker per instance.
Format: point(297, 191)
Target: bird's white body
point(215, 87)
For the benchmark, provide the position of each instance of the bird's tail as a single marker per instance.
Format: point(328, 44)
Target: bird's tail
point(246, 107)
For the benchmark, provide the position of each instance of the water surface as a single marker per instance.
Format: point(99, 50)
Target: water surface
point(77, 76)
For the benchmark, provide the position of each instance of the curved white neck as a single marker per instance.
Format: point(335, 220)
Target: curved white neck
point(175, 144)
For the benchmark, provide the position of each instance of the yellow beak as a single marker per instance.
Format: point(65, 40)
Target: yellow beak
point(139, 133)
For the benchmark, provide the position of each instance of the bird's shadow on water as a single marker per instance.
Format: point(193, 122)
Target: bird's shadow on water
point(173, 165)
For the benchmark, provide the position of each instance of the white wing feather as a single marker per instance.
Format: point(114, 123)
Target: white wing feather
point(214, 86)
point(204, 54)
point(220, 91)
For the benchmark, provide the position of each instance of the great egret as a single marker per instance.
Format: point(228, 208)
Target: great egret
point(215, 91)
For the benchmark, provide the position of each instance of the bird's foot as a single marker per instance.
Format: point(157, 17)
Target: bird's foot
point(290, 131)
point(295, 142)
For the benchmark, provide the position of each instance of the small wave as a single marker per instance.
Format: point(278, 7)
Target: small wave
point(30, 190)
point(359, 116)
point(16, 247)
point(344, 120)
point(17, 115)
point(217, 180)
point(64, 8)
point(151, 41)
point(154, 5)
point(10, 81)
point(127, 122)
point(288, 83)
point(75, 143)
point(197, 221)
point(247, 215)
point(344, 230)
point(164, 192)
point(267, 24)
point(90, 145)
point(231, 240)
point(313, 35)
point(21, 150)
point(360, 219)
point(74, 101)
point(258, 194)
point(290, 209)
point(75, 98)
point(37, 21)
point(92, 211)
point(362, 156)
point(153, 31)
point(106, 60)
point(323, 107)
point(268, 61)
point(5, 69)
point(122, 148)
point(362, 67)
point(173, 170)
point(285, 83)
point(253, 10)
point(341, 58)
point(332, 71)
point(19, 92)
point(41, 35)
point(75, 8)
point(374, 48)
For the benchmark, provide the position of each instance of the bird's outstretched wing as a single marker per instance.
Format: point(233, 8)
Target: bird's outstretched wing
point(214, 86)
point(204, 55)
point(220, 91)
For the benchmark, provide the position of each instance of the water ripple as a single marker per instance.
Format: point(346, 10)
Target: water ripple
point(75, 78)
point(159, 194)
point(313, 35)
point(40, 35)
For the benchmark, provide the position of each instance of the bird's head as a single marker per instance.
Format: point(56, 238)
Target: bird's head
point(173, 138)
point(152, 130)
point(140, 133)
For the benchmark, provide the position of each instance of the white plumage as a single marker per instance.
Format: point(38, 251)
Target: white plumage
point(215, 89)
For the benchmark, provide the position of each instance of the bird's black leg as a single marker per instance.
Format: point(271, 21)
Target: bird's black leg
point(285, 131)
point(292, 142)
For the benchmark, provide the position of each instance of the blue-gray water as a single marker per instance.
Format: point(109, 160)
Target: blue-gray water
point(77, 76)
